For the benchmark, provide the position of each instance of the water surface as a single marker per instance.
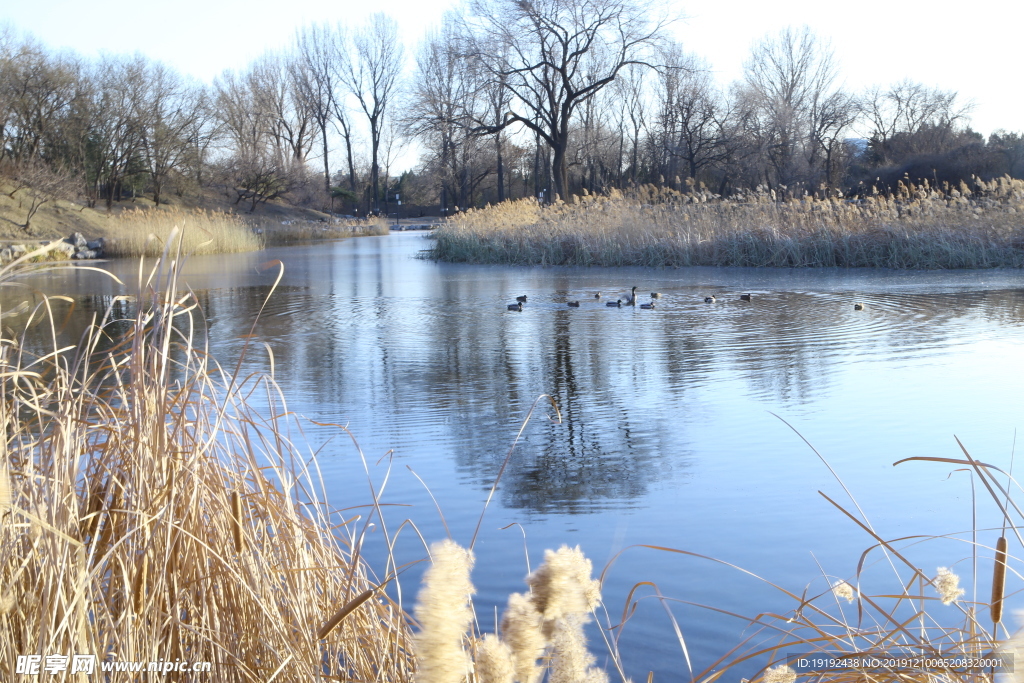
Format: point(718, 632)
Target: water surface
point(672, 426)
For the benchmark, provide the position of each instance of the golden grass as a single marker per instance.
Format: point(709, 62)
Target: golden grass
point(918, 227)
point(147, 513)
point(144, 233)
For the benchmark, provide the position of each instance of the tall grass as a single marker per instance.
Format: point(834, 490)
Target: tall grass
point(917, 227)
point(144, 233)
point(148, 513)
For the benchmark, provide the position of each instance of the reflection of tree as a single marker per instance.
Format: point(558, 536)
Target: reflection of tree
point(445, 371)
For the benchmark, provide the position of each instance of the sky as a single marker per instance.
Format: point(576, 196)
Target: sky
point(976, 52)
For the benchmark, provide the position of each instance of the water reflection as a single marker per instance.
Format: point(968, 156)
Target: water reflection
point(363, 333)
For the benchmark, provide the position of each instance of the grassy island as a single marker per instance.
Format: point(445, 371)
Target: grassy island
point(919, 226)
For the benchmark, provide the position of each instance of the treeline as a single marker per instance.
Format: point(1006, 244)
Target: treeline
point(506, 100)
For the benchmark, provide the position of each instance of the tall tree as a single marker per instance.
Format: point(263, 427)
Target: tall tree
point(794, 104)
point(371, 74)
point(560, 54)
point(314, 73)
point(692, 116)
point(169, 110)
point(446, 97)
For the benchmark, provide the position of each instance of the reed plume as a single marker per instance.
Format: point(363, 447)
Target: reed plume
point(445, 614)
point(493, 661)
point(521, 628)
point(780, 674)
point(948, 585)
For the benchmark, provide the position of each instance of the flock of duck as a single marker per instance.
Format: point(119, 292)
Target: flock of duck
point(620, 302)
point(631, 301)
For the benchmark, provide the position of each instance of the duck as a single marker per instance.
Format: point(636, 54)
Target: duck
point(617, 303)
point(655, 295)
point(709, 299)
point(744, 297)
point(597, 295)
point(650, 305)
point(521, 299)
point(631, 301)
point(574, 304)
point(858, 306)
point(516, 307)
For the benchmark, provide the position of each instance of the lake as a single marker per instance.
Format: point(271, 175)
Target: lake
point(672, 426)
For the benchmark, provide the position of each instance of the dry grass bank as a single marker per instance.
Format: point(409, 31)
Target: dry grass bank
point(920, 227)
point(144, 233)
point(147, 513)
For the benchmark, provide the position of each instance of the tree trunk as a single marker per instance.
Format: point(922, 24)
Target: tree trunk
point(559, 171)
point(501, 169)
point(374, 168)
point(327, 168)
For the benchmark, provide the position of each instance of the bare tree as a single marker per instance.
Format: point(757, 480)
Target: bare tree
point(692, 117)
point(561, 53)
point(40, 183)
point(115, 129)
point(445, 100)
point(794, 105)
point(372, 76)
point(286, 113)
point(630, 93)
point(910, 118)
point(36, 94)
point(169, 111)
point(314, 74)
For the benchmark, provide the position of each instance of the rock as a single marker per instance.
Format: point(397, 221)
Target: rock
point(6, 255)
point(86, 254)
point(95, 244)
point(77, 239)
point(64, 248)
point(18, 249)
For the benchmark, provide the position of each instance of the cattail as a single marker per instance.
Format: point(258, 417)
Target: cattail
point(445, 614)
point(493, 661)
point(139, 585)
point(998, 581)
point(844, 590)
point(521, 627)
point(94, 504)
point(779, 674)
point(948, 585)
point(349, 607)
point(236, 522)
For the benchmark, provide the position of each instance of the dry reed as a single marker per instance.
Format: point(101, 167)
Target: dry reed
point(144, 233)
point(917, 227)
point(128, 457)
